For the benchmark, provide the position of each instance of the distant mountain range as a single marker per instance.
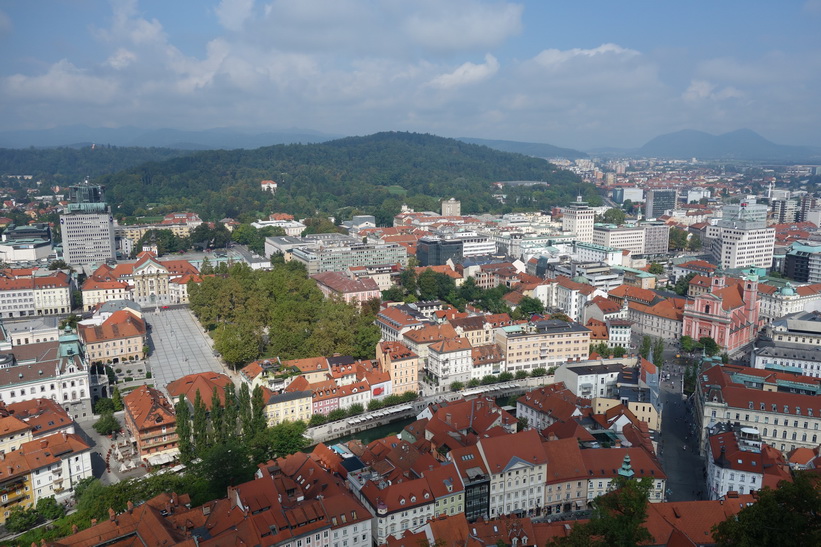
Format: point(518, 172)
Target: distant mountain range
point(535, 149)
point(742, 144)
point(210, 139)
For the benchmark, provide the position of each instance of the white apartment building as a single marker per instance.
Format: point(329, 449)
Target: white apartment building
point(578, 219)
point(450, 361)
point(630, 238)
point(737, 461)
point(35, 295)
point(517, 465)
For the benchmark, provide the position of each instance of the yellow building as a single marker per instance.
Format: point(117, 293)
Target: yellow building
point(642, 410)
point(288, 407)
point(15, 484)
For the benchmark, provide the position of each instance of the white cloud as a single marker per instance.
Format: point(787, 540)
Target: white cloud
point(121, 59)
point(555, 58)
point(463, 24)
point(63, 82)
point(232, 14)
point(467, 74)
point(700, 90)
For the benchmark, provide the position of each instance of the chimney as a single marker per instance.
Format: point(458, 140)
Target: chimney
point(130, 506)
point(43, 443)
point(93, 522)
point(111, 515)
point(74, 529)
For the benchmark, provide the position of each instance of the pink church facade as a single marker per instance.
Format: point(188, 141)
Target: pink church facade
point(727, 314)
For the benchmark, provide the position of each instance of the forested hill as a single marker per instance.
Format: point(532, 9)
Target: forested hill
point(71, 164)
point(373, 174)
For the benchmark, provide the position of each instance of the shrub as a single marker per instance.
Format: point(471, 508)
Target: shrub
point(107, 424)
point(148, 375)
point(353, 410)
point(505, 376)
point(317, 419)
point(375, 404)
point(103, 406)
point(521, 374)
point(489, 379)
point(537, 372)
point(338, 414)
point(474, 382)
point(20, 520)
point(457, 386)
point(118, 370)
point(128, 379)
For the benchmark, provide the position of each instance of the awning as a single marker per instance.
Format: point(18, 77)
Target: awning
point(162, 459)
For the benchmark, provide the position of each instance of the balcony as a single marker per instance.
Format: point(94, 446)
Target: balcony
point(13, 497)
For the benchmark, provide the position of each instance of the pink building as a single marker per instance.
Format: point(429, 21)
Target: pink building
point(727, 314)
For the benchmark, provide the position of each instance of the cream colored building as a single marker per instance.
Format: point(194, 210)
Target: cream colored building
point(401, 363)
point(288, 407)
point(542, 344)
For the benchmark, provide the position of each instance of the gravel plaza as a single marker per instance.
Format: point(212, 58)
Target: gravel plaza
point(178, 346)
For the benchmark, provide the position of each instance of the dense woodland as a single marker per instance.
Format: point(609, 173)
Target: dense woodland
point(279, 313)
point(374, 174)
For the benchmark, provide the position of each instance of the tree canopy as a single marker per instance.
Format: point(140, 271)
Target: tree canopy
point(279, 313)
point(787, 516)
point(374, 174)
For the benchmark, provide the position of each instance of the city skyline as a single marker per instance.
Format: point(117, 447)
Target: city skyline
point(579, 75)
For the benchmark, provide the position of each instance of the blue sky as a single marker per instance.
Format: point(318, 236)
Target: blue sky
point(571, 73)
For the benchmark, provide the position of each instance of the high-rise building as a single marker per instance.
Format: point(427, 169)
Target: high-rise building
point(87, 227)
point(451, 208)
point(659, 202)
point(808, 203)
point(578, 220)
point(742, 237)
point(784, 210)
point(656, 238)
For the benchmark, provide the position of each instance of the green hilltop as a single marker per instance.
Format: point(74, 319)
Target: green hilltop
point(353, 175)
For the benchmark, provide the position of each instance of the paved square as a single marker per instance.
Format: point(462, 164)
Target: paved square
point(178, 346)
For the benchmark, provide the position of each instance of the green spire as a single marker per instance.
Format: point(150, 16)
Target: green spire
point(626, 470)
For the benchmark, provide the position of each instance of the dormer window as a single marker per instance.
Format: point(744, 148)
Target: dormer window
point(401, 501)
point(413, 499)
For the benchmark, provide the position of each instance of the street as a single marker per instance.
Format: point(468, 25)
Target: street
point(678, 444)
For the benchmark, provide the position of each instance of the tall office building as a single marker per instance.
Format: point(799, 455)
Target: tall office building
point(578, 220)
point(451, 208)
point(784, 210)
point(659, 202)
point(743, 237)
point(87, 227)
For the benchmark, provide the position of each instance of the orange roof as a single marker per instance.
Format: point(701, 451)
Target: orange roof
point(121, 324)
point(450, 345)
point(148, 408)
point(203, 383)
point(501, 452)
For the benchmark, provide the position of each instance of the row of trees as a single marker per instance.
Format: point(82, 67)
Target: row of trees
point(502, 377)
point(280, 312)
point(206, 237)
point(356, 409)
point(656, 346)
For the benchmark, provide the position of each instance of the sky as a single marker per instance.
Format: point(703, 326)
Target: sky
point(572, 73)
